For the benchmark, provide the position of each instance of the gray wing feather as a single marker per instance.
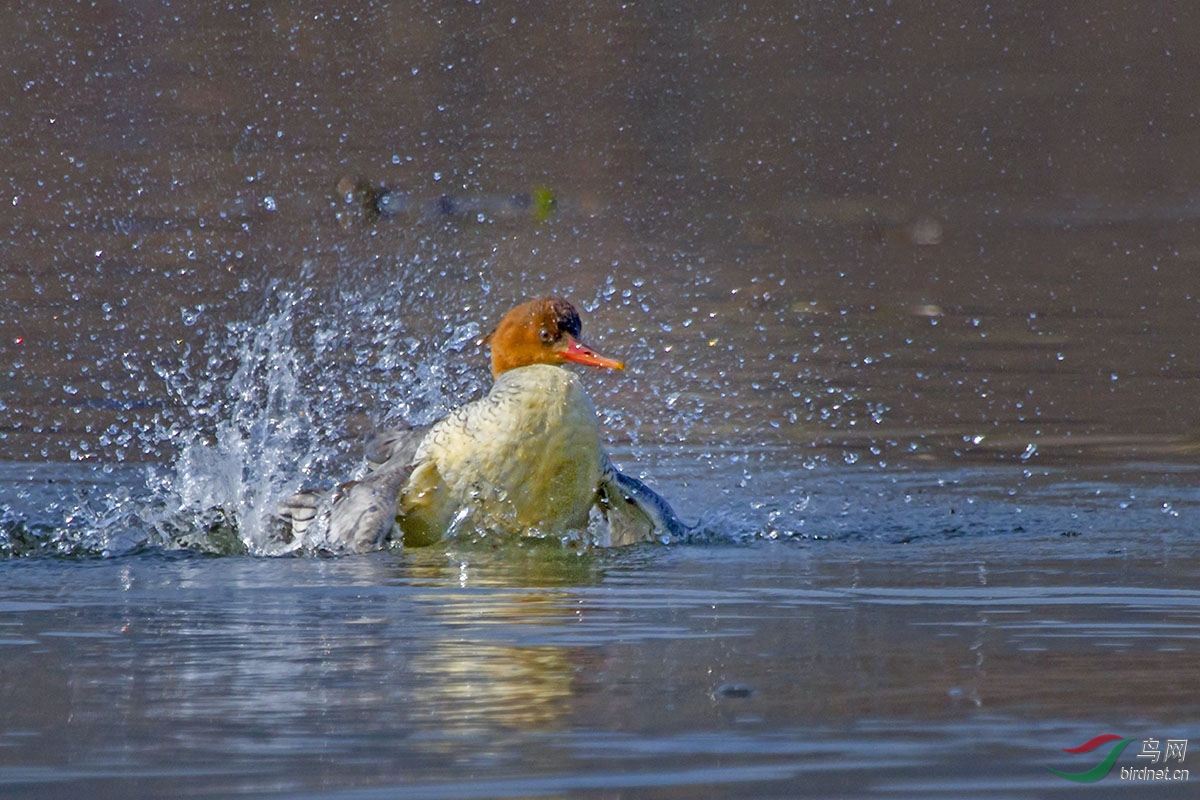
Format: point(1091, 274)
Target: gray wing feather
point(634, 511)
point(363, 513)
point(357, 516)
point(398, 445)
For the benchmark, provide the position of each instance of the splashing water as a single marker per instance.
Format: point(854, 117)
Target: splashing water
point(269, 417)
point(278, 401)
point(230, 478)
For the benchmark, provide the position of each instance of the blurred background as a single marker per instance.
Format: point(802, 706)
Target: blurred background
point(866, 232)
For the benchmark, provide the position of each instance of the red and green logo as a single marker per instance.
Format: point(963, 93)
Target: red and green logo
point(1100, 770)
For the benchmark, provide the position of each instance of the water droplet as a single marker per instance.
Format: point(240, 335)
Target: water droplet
point(192, 315)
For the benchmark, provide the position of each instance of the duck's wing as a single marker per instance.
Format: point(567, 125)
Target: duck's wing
point(394, 446)
point(363, 513)
point(634, 511)
point(358, 516)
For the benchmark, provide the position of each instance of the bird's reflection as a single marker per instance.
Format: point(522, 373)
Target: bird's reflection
point(497, 609)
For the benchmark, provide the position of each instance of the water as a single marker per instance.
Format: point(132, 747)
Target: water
point(774, 669)
point(906, 298)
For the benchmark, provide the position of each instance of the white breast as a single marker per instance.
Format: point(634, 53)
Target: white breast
point(524, 459)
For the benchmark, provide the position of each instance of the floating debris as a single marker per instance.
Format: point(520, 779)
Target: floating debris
point(733, 691)
point(359, 202)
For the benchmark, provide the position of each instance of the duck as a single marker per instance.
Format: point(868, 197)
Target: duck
point(526, 459)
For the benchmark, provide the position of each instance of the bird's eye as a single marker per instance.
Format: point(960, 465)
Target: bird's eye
point(545, 335)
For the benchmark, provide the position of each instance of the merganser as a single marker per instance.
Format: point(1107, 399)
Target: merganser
point(526, 459)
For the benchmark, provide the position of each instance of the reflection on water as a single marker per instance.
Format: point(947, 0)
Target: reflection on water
point(780, 668)
point(483, 690)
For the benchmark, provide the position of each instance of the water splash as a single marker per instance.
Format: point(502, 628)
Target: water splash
point(279, 399)
point(243, 444)
point(278, 423)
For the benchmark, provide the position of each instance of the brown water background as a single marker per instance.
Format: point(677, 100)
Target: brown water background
point(754, 195)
